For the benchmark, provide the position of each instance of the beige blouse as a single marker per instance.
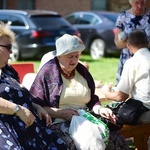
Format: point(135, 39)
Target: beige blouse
point(75, 94)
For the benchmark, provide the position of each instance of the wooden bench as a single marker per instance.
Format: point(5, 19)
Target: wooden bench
point(140, 133)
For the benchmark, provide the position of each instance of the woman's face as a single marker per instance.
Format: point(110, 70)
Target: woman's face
point(5, 50)
point(138, 6)
point(69, 62)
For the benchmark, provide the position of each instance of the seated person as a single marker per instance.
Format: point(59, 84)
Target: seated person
point(20, 126)
point(135, 79)
point(65, 85)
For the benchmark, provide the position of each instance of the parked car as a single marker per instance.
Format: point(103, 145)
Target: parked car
point(36, 31)
point(97, 30)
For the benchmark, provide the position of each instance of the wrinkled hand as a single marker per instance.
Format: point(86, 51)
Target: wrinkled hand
point(43, 114)
point(107, 113)
point(67, 113)
point(26, 116)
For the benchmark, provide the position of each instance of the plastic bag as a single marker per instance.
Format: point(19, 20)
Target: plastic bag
point(88, 132)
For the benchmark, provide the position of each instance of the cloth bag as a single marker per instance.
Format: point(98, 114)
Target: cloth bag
point(88, 132)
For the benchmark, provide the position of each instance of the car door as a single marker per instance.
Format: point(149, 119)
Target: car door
point(85, 22)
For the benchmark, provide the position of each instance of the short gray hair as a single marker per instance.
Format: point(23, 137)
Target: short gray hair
point(130, 1)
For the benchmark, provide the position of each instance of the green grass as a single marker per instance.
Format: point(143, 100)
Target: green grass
point(104, 69)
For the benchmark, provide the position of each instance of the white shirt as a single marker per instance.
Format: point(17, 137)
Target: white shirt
point(135, 79)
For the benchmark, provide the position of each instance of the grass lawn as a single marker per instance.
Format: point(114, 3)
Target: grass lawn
point(104, 69)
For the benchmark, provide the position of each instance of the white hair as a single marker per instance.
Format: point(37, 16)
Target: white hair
point(130, 1)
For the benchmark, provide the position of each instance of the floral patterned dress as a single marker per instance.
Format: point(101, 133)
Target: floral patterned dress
point(128, 22)
point(14, 134)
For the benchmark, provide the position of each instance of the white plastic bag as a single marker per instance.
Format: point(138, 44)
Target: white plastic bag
point(88, 132)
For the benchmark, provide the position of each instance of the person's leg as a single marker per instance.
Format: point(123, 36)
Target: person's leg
point(144, 118)
point(37, 136)
point(8, 139)
point(62, 131)
point(117, 142)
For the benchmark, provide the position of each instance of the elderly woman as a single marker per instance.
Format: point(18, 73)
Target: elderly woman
point(137, 17)
point(65, 85)
point(20, 126)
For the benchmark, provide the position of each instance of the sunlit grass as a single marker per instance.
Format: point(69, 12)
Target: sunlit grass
point(104, 69)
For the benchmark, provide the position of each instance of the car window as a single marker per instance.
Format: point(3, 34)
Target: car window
point(112, 17)
point(88, 19)
point(17, 21)
point(50, 21)
point(5, 18)
point(72, 18)
point(12, 20)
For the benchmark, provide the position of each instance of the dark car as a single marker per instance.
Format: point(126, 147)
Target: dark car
point(36, 31)
point(97, 30)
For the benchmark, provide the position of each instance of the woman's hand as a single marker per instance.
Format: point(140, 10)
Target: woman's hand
point(107, 113)
point(26, 116)
point(67, 113)
point(43, 114)
point(120, 43)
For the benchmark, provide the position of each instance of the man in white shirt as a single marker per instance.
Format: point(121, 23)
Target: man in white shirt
point(135, 79)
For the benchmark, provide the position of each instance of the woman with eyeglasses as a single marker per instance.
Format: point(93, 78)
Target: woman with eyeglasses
point(21, 127)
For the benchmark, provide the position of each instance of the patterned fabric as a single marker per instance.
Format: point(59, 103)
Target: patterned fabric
point(48, 85)
point(14, 134)
point(127, 22)
point(10, 72)
point(62, 130)
point(117, 142)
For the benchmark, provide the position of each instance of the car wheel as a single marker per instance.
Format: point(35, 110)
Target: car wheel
point(15, 56)
point(97, 49)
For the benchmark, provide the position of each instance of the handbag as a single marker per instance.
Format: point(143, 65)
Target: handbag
point(128, 112)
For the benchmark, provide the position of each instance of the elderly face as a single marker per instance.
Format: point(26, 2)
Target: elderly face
point(5, 50)
point(138, 6)
point(69, 62)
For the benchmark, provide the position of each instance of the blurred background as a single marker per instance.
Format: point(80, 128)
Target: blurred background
point(38, 23)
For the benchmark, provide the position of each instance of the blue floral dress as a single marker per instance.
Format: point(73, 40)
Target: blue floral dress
point(128, 22)
point(14, 134)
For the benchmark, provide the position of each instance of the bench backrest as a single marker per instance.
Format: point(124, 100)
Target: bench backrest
point(23, 68)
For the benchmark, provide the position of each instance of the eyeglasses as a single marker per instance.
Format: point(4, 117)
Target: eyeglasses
point(8, 47)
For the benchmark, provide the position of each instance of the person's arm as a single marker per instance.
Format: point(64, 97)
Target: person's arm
point(116, 96)
point(104, 112)
point(119, 43)
point(8, 108)
point(42, 113)
point(65, 114)
point(113, 95)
